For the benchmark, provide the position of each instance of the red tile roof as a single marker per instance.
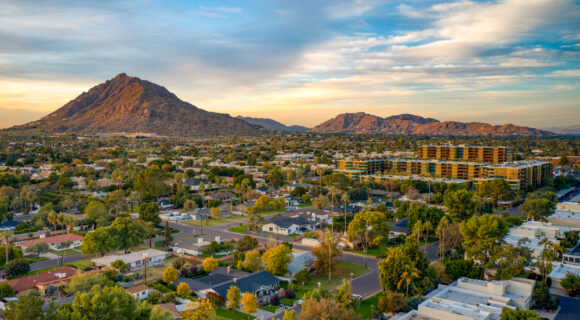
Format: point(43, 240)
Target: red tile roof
point(53, 239)
point(30, 282)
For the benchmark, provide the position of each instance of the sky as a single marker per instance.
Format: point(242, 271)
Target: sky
point(302, 62)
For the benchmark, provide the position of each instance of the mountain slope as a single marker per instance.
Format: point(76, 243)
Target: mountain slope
point(270, 124)
point(361, 123)
point(129, 104)
point(571, 130)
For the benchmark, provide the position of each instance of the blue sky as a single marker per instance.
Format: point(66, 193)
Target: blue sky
point(302, 62)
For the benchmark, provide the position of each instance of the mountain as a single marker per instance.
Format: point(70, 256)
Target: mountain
point(270, 124)
point(131, 105)
point(362, 123)
point(571, 130)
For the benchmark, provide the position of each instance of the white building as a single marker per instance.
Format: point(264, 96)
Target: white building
point(135, 260)
point(140, 291)
point(470, 299)
point(530, 233)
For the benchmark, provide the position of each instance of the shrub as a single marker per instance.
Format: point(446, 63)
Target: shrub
point(542, 297)
point(216, 299)
point(17, 267)
point(6, 290)
point(290, 294)
point(120, 265)
point(571, 283)
point(393, 302)
point(275, 300)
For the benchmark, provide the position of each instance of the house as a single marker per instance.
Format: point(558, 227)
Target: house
point(140, 291)
point(261, 284)
point(134, 259)
point(221, 275)
point(30, 282)
point(398, 228)
point(165, 204)
point(223, 196)
point(290, 225)
point(9, 225)
point(55, 242)
point(193, 246)
point(174, 216)
point(293, 201)
point(172, 309)
point(301, 260)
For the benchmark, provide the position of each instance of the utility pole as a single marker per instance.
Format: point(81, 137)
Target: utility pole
point(145, 265)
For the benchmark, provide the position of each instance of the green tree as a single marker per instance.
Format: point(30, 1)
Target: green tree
point(369, 228)
point(326, 253)
point(116, 202)
point(149, 212)
point(98, 241)
point(127, 233)
point(510, 261)
point(460, 204)
point(407, 278)
point(399, 260)
point(274, 178)
point(480, 236)
point(81, 282)
point(234, 297)
point(96, 213)
point(496, 189)
point(303, 276)
point(28, 307)
point(167, 234)
point(120, 265)
point(6, 236)
point(321, 202)
point(277, 259)
point(252, 261)
point(38, 248)
point(17, 267)
point(150, 183)
point(511, 314)
point(571, 283)
point(6, 290)
point(343, 295)
point(537, 209)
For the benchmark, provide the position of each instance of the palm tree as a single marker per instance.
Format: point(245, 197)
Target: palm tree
point(63, 246)
point(60, 219)
point(320, 173)
point(407, 277)
point(444, 223)
point(69, 221)
point(150, 227)
point(418, 229)
point(133, 198)
point(6, 236)
point(52, 218)
point(345, 199)
point(427, 227)
point(333, 191)
point(67, 203)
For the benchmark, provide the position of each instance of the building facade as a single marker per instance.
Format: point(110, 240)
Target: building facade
point(486, 154)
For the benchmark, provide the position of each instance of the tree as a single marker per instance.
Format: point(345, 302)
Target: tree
point(167, 234)
point(481, 235)
point(326, 253)
point(321, 202)
point(96, 213)
point(234, 297)
point(28, 307)
point(571, 283)
point(116, 202)
point(170, 275)
point(325, 308)
point(150, 228)
point(289, 315)
point(274, 178)
point(38, 248)
point(303, 276)
point(127, 233)
point(249, 303)
point(252, 261)
point(277, 259)
point(512, 314)
point(343, 295)
point(407, 277)
point(81, 282)
point(6, 290)
point(189, 205)
point(510, 261)
point(120, 265)
point(443, 224)
point(263, 203)
point(17, 267)
point(215, 213)
point(496, 189)
point(150, 183)
point(403, 259)
point(247, 243)
point(210, 264)
point(183, 290)
point(458, 268)
point(106, 303)
point(6, 236)
point(98, 241)
point(542, 298)
point(549, 253)
point(460, 204)
point(369, 228)
point(201, 309)
point(537, 209)
point(149, 212)
point(392, 302)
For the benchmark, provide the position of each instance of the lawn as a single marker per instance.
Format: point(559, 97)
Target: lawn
point(239, 229)
point(365, 307)
point(375, 251)
point(270, 308)
point(225, 314)
point(342, 271)
point(67, 252)
point(81, 264)
point(158, 270)
point(33, 260)
point(215, 222)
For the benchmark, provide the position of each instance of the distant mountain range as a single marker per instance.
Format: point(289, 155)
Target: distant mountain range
point(131, 105)
point(363, 123)
point(572, 130)
point(273, 125)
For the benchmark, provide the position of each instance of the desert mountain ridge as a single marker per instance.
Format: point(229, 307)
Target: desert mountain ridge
point(270, 124)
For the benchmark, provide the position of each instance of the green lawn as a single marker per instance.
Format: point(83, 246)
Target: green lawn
point(214, 222)
point(66, 252)
point(33, 260)
point(225, 314)
point(364, 309)
point(375, 251)
point(81, 264)
point(239, 229)
point(342, 271)
point(270, 308)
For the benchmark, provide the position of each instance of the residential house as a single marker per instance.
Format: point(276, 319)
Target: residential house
point(261, 284)
point(135, 260)
point(221, 275)
point(140, 291)
point(172, 309)
point(301, 260)
point(175, 215)
point(193, 246)
point(55, 242)
point(290, 225)
point(164, 204)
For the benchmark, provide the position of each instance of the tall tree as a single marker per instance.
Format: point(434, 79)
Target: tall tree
point(6, 236)
point(149, 212)
point(234, 297)
point(326, 253)
point(481, 235)
point(127, 233)
point(369, 228)
point(460, 204)
point(537, 209)
point(277, 259)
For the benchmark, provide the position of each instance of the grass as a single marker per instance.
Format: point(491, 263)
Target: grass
point(239, 229)
point(67, 252)
point(375, 251)
point(158, 270)
point(365, 307)
point(81, 264)
point(225, 314)
point(429, 240)
point(33, 260)
point(342, 271)
point(215, 222)
point(270, 308)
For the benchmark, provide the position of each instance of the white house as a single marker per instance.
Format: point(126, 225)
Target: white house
point(291, 225)
point(140, 291)
point(135, 260)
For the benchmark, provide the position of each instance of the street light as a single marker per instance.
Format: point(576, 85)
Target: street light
point(145, 255)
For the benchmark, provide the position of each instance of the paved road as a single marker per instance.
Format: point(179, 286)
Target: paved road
point(570, 308)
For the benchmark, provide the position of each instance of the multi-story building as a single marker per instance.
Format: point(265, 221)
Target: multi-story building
point(519, 174)
point(466, 153)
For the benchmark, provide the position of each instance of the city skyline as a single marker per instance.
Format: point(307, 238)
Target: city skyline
point(301, 62)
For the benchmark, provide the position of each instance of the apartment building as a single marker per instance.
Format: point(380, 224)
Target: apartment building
point(466, 153)
point(519, 174)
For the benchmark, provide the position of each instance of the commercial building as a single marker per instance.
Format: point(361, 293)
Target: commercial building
point(470, 299)
point(486, 154)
